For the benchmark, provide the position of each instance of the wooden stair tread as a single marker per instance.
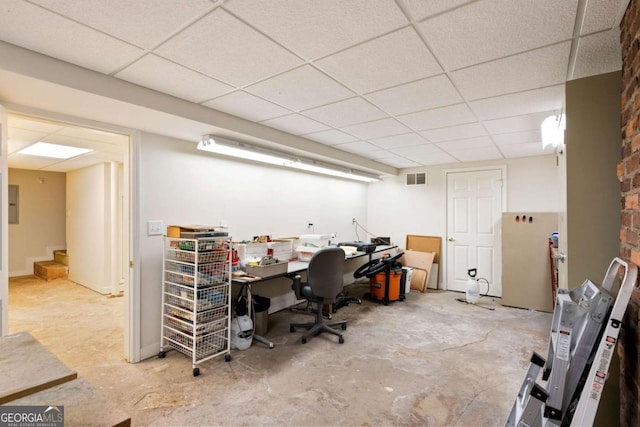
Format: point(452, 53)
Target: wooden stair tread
point(84, 405)
point(28, 367)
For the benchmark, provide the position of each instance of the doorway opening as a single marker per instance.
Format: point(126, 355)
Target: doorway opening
point(73, 216)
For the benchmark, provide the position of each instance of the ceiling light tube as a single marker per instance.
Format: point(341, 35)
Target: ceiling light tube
point(215, 144)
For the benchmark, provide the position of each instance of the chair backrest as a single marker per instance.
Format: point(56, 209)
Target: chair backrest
point(326, 273)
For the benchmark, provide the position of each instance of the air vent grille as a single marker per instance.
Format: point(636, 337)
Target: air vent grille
point(418, 178)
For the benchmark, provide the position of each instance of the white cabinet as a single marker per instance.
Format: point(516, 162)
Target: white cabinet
point(196, 298)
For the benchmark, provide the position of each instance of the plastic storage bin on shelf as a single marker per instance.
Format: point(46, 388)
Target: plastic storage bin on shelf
point(196, 307)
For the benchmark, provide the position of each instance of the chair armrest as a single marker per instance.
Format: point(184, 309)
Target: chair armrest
point(296, 285)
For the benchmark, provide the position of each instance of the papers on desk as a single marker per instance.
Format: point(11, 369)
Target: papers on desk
point(241, 276)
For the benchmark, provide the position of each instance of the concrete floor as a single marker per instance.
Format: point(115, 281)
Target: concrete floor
point(427, 361)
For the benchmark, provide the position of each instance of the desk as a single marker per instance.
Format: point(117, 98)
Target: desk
point(295, 267)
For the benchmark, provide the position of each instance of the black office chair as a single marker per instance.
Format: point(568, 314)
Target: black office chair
point(324, 284)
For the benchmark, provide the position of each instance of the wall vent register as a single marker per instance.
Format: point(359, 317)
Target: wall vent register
point(418, 178)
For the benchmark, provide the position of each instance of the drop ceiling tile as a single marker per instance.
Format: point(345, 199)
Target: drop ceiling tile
point(441, 158)
point(438, 117)
point(530, 70)
point(35, 125)
point(345, 113)
point(476, 154)
point(376, 129)
point(331, 137)
point(469, 130)
point(88, 134)
point(29, 26)
point(421, 95)
point(23, 161)
point(144, 23)
point(397, 141)
point(387, 61)
point(245, 105)
point(420, 9)
point(525, 150)
point(601, 15)
point(479, 32)
point(301, 89)
point(400, 162)
point(336, 24)
point(357, 147)
point(376, 155)
point(524, 137)
point(517, 123)
point(165, 76)
point(20, 138)
point(461, 144)
point(532, 101)
point(296, 124)
point(418, 151)
point(221, 46)
point(598, 54)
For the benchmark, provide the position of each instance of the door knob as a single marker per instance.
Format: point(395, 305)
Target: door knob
point(559, 256)
point(451, 239)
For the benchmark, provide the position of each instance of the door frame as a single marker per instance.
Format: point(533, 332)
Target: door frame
point(131, 187)
point(445, 176)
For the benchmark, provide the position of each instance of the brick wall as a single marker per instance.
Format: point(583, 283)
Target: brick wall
point(629, 175)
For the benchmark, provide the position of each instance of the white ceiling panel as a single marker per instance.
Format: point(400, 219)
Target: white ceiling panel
point(418, 151)
point(357, 147)
point(296, 124)
point(401, 162)
point(377, 129)
point(331, 137)
point(523, 137)
point(34, 125)
point(388, 77)
point(242, 104)
point(420, 9)
point(225, 48)
point(23, 161)
point(165, 76)
point(517, 123)
point(536, 68)
point(396, 58)
point(463, 144)
point(525, 150)
point(601, 15)
point(533, 101)
point(345, 113)
point(476, 154)
point(336, 24)
point(478, 32)
point(421, 95)
point(435, 159)
point(144, 23)
point(398, 141)
point(301, 89)
point(598, 54)
point(79, 162)
point(470, 130)
point(438, 117)
point(42, 31)
point(18, 141)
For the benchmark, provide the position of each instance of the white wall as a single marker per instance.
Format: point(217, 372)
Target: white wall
point(41, 227)
point(395, 210)
point(90, 227)
point(180, 185)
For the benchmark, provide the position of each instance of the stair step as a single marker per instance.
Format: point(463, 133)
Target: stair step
point(49, 270)
point(61, 257)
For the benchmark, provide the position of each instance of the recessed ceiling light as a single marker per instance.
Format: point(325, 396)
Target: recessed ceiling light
point(46, 149)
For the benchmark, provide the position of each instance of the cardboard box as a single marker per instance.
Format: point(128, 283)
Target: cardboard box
point(267, 270)
point(422, 263)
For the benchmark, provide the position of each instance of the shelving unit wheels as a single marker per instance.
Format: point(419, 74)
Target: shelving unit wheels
point(162, 354)
point(196, 372)
point(227, 358)
point(341, 339)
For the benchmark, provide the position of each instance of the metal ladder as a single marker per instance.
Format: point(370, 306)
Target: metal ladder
point(584, 331)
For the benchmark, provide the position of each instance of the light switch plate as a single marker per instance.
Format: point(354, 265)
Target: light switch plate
point(154, 228)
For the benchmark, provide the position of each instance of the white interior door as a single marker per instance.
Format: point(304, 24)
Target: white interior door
point(474, 212)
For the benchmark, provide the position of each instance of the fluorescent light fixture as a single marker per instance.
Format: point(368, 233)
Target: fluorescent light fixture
point(552, 129)
point(215, 144)
point(56, 151)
